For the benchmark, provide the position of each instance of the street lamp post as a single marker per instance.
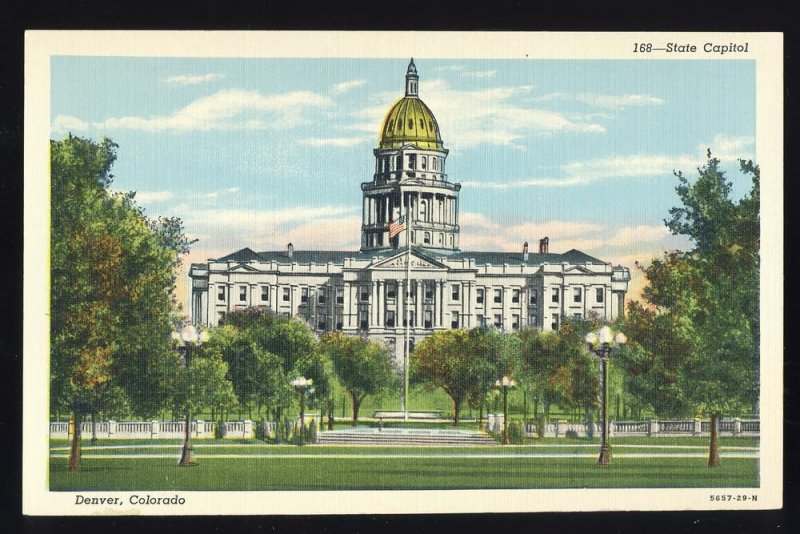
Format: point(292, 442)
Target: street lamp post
point(600, 343)
point(188, 338)
point(302, 385)
point(505, 384)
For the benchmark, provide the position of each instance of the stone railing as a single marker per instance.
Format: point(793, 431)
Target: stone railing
point(655, 428)
point(155, 429)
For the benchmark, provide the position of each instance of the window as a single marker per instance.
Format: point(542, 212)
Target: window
point(413, 237)
point(498, 320)
point(412, 161)
point(427, 239)
point(321, 296)
point(390, 318)
point(434, 162)
point(410, 123)
point(498, 296)
point(304, 295)
point(339, 295)
point(577, 295)
point(555, 295)
point(264, 293)
point(220, 317)
point(479, 295)
point(424, 160)
point(363, 323)
point(364, 294)
point(428, 319)
point(423, 210)
point(534, 296)
point(286, 293)
point(481, 321)
point(599, 294)
point(456, 291)
point(221, 293)
point(339, 325)
point(391, 126)
point(422, 125)
point(515, 322)
point(441, 239)
point(242, 293)
point(454, 321)
point(428, 290)
point(430, 125)
point(391, 290)
point(515, 296)
point(321, 325)
point(554, 324)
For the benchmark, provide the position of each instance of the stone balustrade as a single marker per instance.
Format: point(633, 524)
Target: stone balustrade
point(155, 429)
point(651, 428)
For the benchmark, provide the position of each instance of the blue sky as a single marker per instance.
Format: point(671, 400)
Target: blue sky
point(260, 152)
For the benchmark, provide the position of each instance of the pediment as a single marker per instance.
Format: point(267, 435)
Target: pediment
point(578, 269)
point(242, 268)
point(400, 261)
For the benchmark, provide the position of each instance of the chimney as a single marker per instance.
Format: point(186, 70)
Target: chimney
point(525, 251)
point(289, 250)
point(544, 245)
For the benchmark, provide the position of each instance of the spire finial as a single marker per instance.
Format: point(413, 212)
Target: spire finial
point(412, 79)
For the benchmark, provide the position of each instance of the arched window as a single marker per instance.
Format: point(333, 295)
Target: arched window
point(424, 162)
point(421, 124)
point(391, 126)
point(410, 123)
point(434, 163)
point(430, 125)
point(427, 238)
point(423, 210)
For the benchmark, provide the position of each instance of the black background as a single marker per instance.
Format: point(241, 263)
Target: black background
point(400, 15)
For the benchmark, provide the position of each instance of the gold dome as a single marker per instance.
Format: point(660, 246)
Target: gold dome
point(410, 121)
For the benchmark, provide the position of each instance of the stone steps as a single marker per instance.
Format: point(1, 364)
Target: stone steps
point(405, 437)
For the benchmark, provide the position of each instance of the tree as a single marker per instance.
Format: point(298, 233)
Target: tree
point(541, 360)
point(112, 276)
point(706, 300)
point(319, 367)
point(464, 363)
point(362, 366)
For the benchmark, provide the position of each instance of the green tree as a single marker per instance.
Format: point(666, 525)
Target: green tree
point(362, 366)
point(706, 300)
point(319, 367)
point(112, 276)
point(464, 363)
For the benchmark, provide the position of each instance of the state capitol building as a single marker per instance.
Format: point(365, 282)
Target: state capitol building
point(369, 292)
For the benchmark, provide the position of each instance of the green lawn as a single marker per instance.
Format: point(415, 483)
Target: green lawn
point(321, 473)
point(285, 467)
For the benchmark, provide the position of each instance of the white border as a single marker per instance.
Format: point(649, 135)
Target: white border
point(765, 48)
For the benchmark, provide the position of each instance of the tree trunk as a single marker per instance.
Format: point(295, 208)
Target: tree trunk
point(330, 413)
point(94, 427)
point(480, 415)
point(713, 448)
point(75, 448)
point(250, 412)
point(356, 406)
point(456, 407)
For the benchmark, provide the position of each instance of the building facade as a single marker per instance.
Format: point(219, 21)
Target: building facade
point(419, 275)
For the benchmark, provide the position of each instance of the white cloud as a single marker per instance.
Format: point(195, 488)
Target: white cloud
point(229, 109)
point(335, 141)
point(344, 87)
point(727, 148)
point(193, 79)
point(479, 74)
point(67, 123)
point(638, 234)
point(152, 197)
point(619, 101)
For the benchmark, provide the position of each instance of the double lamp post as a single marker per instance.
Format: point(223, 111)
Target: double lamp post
point(601, 343)
point(187, 339)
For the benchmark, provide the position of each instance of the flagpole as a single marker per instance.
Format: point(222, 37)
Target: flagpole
point(407, 310)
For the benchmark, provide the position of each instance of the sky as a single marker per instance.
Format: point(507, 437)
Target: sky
point(261, 152)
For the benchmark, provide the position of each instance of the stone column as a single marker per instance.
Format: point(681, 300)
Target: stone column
point(437, 302)
point(155, 427)
point(697, 427)
point(444, 303)
point(381, 302)
point(737, 426)
point(373, 301)
point(506, 308)
point(418, 313)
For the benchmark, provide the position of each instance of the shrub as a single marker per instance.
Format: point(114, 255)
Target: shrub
point(515, 432)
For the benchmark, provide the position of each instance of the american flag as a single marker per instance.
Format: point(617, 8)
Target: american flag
point(395, 227)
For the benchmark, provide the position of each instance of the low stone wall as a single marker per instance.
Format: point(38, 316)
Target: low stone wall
point(155, 429)
point(651, 428)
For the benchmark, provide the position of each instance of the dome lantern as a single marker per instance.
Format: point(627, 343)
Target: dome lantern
point(412, 79)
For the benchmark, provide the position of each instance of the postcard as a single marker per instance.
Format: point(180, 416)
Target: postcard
point(404, 272)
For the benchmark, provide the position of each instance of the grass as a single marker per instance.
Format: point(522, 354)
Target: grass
point(274, 467)
point(321, 473)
